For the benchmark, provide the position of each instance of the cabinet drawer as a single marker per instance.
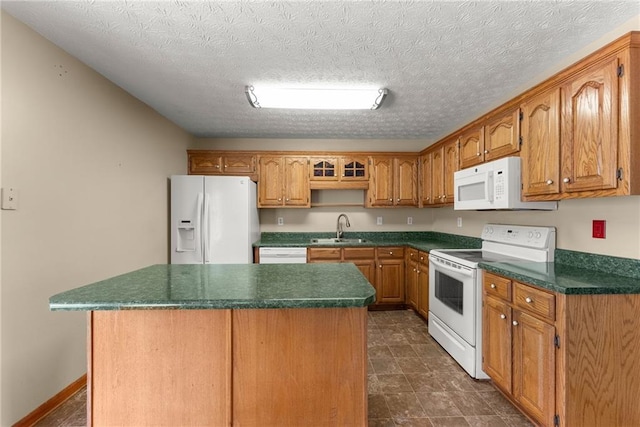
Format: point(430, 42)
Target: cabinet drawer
point(423, 257)
point(497, 286)
point(535, 300)
point(205, 164)
point(359, 253)
point(412, 254)
point(324, 254)
point(391, 252)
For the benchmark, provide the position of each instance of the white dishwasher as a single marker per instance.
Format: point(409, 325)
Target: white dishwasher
point(283, 255)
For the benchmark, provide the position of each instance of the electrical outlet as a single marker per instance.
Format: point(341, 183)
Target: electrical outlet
point(459, 222)
point(379, 220)
point(280, 220)
point(409, 220)
point(598, 229)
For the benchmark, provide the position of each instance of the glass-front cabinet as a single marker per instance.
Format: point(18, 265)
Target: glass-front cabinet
point(339, 172)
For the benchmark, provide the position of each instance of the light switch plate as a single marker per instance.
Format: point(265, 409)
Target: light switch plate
point(9, 199)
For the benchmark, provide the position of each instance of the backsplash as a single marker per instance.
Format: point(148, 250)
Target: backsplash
point(609, 264)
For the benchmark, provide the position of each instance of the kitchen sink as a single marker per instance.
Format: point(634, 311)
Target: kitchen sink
point(335, 240)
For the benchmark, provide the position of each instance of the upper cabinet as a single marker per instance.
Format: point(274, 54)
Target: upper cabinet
point(442, 161)
point(499, 136)
point(204, 162)
point(393, 181)
point(339, 172)
point(589, 129)
point(472, 147)
point(540, 150)
point(284, 182)
point(502, 135)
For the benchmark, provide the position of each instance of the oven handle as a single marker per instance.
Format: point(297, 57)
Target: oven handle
point(464, 271)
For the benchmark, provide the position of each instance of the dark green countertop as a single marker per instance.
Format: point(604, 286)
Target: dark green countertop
point(228, 286)
point(421, 240)
point(564, 278)
point(571, 273)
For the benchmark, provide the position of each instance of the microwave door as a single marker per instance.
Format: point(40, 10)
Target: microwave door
point(474, 191)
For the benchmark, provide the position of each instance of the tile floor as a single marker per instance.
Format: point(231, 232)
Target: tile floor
point(412, 382)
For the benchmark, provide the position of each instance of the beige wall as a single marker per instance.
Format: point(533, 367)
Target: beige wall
point(90, 163)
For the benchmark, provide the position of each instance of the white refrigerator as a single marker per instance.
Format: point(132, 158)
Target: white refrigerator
point(214, 219)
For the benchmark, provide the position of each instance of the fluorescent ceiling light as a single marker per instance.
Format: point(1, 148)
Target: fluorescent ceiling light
point(315, 99)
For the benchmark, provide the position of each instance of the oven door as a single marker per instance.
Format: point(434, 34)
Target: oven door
point(452, 294)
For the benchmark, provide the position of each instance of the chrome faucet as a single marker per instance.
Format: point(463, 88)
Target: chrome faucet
point(339, 231)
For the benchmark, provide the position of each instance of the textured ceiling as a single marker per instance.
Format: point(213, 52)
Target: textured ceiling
point(444, 62)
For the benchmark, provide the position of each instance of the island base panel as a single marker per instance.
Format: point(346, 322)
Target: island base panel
point(160, 367)
point(300, 367)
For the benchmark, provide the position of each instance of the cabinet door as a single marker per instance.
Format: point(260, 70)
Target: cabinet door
point(412, 284)
point(437, 176)
point(496, 341)
point(205, 164)
point(354, 169)
point(425, 179)
point(368, 269)
point(271, 182)
point(540, 150)
point(502, 135)
point(406, 181)
point(381, 182)
point(296, 182)
point(423, 286)
point(472, 147)
point(590, 129)
point(390, 280)
point(450, 166)
point(239, 164)
point(323, 169)
point(534, 366)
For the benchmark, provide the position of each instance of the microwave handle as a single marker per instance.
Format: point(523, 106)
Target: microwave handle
point(488, 186)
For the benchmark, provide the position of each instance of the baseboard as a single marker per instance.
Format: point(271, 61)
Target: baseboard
point(51, 404)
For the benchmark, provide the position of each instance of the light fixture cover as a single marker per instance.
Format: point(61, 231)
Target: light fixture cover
point(315, 99)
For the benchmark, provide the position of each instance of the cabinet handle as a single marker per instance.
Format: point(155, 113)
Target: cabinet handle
point(391, 200)
point(390, 253)
point(418, 271)
point(226, 166)
point(415, 270)
point(493, 286)
point(503, 316)
point(528, 300)
point(287, 199)
point(549, 181)
point(428, 198)
point(515, 323)
point(398, 199)
point(486, 151)
point(478, 154)
point(421, 258)
point(279, 199)
point(380, 266)
point(566, 180)
point(217, 166)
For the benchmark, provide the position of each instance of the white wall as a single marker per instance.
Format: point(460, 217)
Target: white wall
point(91, 164)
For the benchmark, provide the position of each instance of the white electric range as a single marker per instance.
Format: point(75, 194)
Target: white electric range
point(455, 286)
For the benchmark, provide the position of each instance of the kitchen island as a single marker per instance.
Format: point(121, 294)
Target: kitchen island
point(214, 345)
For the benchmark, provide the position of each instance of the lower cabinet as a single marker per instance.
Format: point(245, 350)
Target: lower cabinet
point(563, 359)
point(384, 267)
point(417, 281)
point(518, 344)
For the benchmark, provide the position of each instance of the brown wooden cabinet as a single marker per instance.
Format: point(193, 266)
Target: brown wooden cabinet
point(283, 182)
point(518, 350)
point(451, 165)
point(393, 181)
point(502, 135)
point(442, 160)
point(339, 172)
point(411, 275)
point(472, 147)
point(390, 281)
point(590, 129)
point(425, 179)
point(205, 162)
point(417, 281)
point(540, 150)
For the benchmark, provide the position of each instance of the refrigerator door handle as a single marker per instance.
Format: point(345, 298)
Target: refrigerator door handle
point(199, 219)
point(206, 230)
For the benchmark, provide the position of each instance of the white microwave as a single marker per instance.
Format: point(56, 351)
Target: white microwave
point(493, 185)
